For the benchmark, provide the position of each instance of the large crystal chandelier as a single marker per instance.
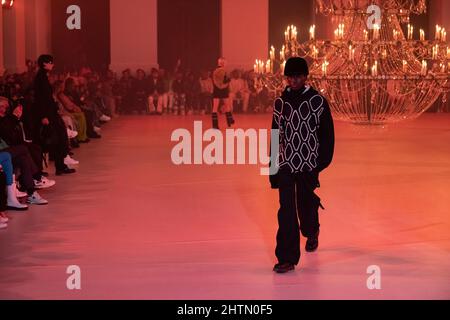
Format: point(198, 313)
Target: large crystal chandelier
point(372, 73)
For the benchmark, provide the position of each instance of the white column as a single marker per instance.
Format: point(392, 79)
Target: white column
point(134, 34)
point(245, 32)
point(37, 28)
point(14, 37)
point(2, 68)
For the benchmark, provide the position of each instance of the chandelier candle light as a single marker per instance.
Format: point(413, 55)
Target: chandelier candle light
point(372, 76)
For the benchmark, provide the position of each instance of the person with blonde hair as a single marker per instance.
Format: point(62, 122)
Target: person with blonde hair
point(221, 93)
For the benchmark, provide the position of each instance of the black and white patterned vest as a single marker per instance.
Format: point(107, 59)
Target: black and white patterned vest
point(298, 118)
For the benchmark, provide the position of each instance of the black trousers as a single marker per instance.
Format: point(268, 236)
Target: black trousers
point(298, 202)
point(23, 161)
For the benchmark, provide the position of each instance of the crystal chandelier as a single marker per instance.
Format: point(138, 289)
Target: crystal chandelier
point(7, 4)
point(371, 73)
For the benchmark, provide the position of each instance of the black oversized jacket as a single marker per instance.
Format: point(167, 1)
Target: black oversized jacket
point(44, 104)
point(306, 131)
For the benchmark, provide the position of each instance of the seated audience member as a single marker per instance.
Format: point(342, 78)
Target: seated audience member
point(68, 118)
point(3, 200)
point(206, 92)
point(49, 129)
point(139, 91)
point(78, 99)
point(5, 160)
point(69, 107)
point(192, 88)
point(165, 88)
point(108, 94)
point(239, 92)
point(23, 161)
point(156, 92)
point(12, 133)
point(124, 91)
point(179, 94)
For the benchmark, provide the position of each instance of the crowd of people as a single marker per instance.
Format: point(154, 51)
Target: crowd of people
point(184, 92)
point(44, 117)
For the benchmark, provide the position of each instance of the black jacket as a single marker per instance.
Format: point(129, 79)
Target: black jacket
point(307, 138)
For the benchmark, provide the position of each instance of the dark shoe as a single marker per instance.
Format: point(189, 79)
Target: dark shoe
point(95, 136)
point(230, 119)
point(312, 244)
point(65, 171)
point(85, 141)
point(284, 267)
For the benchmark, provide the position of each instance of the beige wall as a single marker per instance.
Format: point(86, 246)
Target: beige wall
point(14, 38)
point(134, 37)
point(37, 28)
point(245, 32)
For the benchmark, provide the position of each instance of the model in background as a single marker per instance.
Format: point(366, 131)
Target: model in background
point(221, 92)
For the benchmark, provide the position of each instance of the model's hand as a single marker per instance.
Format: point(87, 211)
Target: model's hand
point(45, 122)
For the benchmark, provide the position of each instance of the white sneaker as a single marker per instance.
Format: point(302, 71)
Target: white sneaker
point(97, 129)
point(37, 200)
point(69, 161)
point(44, 183)
point(3, 220)
point(3, 226)
point(105, 118)
point(71, 134)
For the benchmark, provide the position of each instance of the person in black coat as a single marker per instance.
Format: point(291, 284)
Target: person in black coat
point(306, 139)
point(49, 128)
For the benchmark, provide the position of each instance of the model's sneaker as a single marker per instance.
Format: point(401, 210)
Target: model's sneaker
point(284, 267)
point(312, 244)
point(3, 219)
point(3, 226)
point(44, 183)
point(37, 200)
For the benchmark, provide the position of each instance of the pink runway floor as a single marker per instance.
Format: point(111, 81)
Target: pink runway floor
point(141, 228)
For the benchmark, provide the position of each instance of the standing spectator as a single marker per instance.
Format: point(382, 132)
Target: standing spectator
point(50, 130)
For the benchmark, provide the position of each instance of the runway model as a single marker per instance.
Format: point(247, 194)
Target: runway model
point(306, 127)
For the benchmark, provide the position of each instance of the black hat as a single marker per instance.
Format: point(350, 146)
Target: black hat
point(296, 66)
point(45, 58)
